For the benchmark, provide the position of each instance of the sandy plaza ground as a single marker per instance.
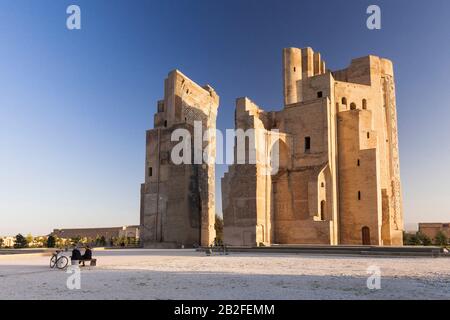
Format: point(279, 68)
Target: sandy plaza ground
point(187, 274)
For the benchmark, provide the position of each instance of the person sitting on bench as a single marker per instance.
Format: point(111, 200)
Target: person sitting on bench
point(86, 256)
point(76, 254)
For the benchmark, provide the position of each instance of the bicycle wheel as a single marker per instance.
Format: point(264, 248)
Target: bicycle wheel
point(53, 261)
point(62, 262)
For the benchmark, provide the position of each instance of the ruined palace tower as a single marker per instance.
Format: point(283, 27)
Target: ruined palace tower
point(177, 200)
point(338, 180)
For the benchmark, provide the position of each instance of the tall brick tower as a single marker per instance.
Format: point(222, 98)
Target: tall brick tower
point(177, 200)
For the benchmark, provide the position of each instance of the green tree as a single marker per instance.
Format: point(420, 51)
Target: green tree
point(75, 240)
point(424, 239)
point(30, 239)
point(123, 241)
point(411, 239)
point(100, 241)
point(44, 241)
point(21, 241)
point(441, 239)
point(407, 238)
point(62, 242)
point(51, 241)
point(41, 242)
point(120, 241)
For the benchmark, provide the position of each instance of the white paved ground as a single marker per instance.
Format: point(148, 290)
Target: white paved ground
point(186, 274)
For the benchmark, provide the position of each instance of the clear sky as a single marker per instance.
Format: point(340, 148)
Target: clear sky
point(74, 105)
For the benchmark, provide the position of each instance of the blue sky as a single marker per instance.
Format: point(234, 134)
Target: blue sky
point(74, 105)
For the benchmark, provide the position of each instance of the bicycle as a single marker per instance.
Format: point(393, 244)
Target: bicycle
point(58, 260)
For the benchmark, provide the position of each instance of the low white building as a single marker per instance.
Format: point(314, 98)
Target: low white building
point(129, 232)
point(9, 242)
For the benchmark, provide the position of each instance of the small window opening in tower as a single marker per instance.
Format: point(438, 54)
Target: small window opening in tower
point(359, 163)
point(368, 135)
point(344, 101)
point(307, 144)
point(359, 195)
point(295, 69)
point(322, 210)
point(319, 94)
point(150, 171)
point(322, 185)
point(364, 104)
point(352, 106)
point(165, 123)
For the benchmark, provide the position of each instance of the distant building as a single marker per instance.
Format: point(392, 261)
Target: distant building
point(9, 242)
point(129, 232)
point(108, 233)
point(432, 229)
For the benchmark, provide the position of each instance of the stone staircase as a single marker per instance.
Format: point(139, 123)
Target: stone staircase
point(405, 251)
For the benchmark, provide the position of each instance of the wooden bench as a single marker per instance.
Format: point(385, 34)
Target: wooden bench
point(93, 262)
